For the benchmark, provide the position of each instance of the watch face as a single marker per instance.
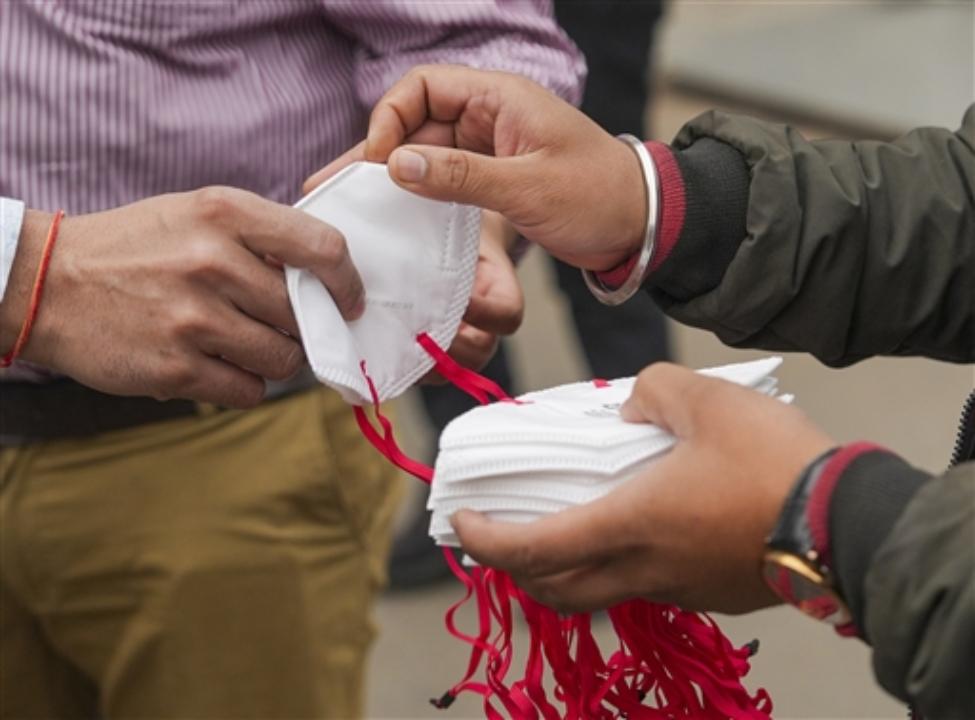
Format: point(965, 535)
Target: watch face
point(802, 586)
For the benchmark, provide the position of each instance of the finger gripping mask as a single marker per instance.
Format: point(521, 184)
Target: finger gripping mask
point(416, 258)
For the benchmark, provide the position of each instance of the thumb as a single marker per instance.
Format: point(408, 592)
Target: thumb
point(668, 396)
point(457, 175)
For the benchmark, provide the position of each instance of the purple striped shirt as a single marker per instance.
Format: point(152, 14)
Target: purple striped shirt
point(104, 102)
point(108, 101)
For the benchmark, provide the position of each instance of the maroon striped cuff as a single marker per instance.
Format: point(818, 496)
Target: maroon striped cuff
point(817, 507)
point(670, 216)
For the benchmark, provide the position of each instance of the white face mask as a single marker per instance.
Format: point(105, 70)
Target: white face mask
point(417, 259)
point(554, 449)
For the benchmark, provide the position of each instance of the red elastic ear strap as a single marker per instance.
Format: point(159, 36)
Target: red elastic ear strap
point(386, 443)
point(491, 590)
point(535, 663)
point(513, 697)
point(474, 384)
point(694, 669)
point(519, 706)
point(474, 582)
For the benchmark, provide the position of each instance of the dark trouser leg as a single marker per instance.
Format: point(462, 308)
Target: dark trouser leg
point(615, 36)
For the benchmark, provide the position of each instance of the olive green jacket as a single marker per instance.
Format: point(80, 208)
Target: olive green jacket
point(850, 250)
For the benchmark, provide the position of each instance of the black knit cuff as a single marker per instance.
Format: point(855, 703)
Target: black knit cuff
point(868, 499)
point(716, 182)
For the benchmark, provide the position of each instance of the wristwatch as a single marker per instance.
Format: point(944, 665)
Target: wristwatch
point(794, 567)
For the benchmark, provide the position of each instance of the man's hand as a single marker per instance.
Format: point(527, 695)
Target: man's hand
point(509, 145)
point(688, 531)
point(179, 295)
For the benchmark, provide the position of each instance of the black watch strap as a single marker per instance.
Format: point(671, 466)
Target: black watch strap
point(792, 533)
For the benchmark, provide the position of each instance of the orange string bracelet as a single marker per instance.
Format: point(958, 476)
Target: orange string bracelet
point(36, 293)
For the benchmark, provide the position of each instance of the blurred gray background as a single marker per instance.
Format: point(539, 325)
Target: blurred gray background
point(837, 69)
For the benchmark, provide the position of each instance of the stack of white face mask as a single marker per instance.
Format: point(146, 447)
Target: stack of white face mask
point(554, 449)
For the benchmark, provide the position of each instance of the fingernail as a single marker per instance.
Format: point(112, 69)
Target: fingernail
point(410, 166)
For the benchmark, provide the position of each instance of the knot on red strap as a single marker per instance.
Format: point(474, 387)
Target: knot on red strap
point(444, 701)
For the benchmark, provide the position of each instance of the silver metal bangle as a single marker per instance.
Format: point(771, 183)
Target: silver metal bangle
point(616, 296)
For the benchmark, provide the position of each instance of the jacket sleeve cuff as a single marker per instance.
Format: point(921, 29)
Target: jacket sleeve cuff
point(716, 182)
point(860, 495)
point(11, 219)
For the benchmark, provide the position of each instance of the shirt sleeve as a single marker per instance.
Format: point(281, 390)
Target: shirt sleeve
point(11, 218)
point(518, 36)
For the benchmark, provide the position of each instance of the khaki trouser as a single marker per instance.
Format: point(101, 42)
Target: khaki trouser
point(214, 567)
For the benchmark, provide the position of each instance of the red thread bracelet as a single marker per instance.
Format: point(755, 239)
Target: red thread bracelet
point(36, 293)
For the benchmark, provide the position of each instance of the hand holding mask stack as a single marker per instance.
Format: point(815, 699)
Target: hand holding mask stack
point(553, 449)
point(515, 460)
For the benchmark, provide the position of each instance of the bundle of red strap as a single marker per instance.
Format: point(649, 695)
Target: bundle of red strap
point(669, 663)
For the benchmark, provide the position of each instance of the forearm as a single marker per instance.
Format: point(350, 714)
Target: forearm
point(780, 234)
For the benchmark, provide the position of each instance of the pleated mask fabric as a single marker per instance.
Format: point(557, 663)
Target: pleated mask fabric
point(417, 259)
